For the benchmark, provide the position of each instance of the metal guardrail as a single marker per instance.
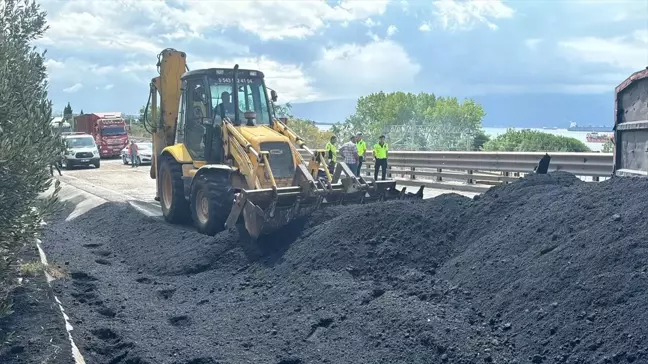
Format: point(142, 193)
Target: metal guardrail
point(478, 171)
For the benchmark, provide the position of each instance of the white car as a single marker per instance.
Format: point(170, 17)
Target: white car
point(80, 150)
point(144, 152)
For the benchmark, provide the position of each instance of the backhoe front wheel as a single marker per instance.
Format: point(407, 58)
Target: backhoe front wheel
point(212, 198)
point(175, 206)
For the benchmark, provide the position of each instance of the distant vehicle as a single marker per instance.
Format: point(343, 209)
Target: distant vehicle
point(575, 127)
point(144, 151)
point(598, 137)
point(108, 130)
point(80, 150)
point(59, 125)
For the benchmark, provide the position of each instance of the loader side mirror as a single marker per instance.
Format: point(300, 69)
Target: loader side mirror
point(273, 95)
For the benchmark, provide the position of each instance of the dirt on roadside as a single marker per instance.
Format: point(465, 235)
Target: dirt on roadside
point(545, 270)
point(35, 331)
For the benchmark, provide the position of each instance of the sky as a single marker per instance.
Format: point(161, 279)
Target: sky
point(322, 55)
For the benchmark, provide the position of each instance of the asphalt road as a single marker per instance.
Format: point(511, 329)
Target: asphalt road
point(117, 182)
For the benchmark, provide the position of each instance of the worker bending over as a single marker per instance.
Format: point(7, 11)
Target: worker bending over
point(380, 155)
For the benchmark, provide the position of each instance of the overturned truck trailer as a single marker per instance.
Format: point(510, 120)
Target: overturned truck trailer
point(631, 126)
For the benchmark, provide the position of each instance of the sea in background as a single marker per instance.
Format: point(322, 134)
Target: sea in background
point(580, 135)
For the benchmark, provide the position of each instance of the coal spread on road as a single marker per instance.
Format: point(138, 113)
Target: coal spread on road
point(545, 270)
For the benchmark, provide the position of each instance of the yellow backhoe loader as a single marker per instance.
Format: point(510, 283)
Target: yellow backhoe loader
point(222, 159)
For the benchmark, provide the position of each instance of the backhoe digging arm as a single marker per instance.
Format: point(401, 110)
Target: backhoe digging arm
point(171, 65)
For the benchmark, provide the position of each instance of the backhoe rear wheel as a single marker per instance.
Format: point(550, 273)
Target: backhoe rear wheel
point(212, 198)
point(175, 206)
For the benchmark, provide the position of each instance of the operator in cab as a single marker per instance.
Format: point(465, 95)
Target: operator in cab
point(226, 106)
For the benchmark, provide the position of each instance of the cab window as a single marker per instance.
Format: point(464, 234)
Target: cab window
point(195, 113)
point(251, 97)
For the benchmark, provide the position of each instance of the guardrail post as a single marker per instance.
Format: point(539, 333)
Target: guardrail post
point(439, 178)
point(595, 178)
point(470, 180)
point(412, 176)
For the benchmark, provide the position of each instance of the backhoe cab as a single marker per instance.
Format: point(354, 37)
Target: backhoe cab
point(223, 160)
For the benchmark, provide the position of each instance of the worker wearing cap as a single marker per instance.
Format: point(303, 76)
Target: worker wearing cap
point(380, 155)
point(331, 153)
point(350, 152)
point(362, 148)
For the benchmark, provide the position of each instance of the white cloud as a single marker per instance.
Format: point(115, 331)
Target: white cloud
point(288, 80)
point(628, 53)
point(532, 43)
point(466, 15)
point(391, 30)
point(371, 23)
point(425, 27)
point(109, 87)
point(102, 25)
point(74, 88)
point(351, 70)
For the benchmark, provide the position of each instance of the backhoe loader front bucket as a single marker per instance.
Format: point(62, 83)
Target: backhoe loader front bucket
point(264, 211)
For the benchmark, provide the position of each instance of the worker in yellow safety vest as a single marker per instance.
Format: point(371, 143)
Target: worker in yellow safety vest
point(331, 153)
point(380, 156)
point(362, 148)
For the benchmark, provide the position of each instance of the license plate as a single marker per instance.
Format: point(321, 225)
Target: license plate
point(85, 160)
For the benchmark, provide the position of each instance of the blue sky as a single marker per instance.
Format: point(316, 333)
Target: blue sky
point(325, 54)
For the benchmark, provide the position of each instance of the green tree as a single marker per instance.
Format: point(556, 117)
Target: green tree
point(608, 147)
point(480, 139)
point(534, 141)
point(415, 121)
point(67, 112)
point(306, 129)
point(141, 113)
point(27, 144)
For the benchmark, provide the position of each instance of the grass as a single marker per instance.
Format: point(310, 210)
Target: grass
point(34, 268)
point(31, 269)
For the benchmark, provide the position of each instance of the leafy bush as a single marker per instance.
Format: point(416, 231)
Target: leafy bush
point(27, 144)
point(534, 141)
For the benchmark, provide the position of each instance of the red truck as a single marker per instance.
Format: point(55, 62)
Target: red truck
point(631, 126)
point(108, 130)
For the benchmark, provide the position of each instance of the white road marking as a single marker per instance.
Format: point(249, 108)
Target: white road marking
point(76, 354)
point(125, 196)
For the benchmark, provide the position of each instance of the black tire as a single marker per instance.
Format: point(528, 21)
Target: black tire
point(124, 160)
point(212, 198)
point(175, 207)
point(97, 164)
point(68, 166)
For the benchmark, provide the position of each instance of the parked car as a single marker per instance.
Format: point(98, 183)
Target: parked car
point(80, 150)
point(144, 151)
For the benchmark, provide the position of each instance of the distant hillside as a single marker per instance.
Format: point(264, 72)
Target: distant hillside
point(521, 110)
